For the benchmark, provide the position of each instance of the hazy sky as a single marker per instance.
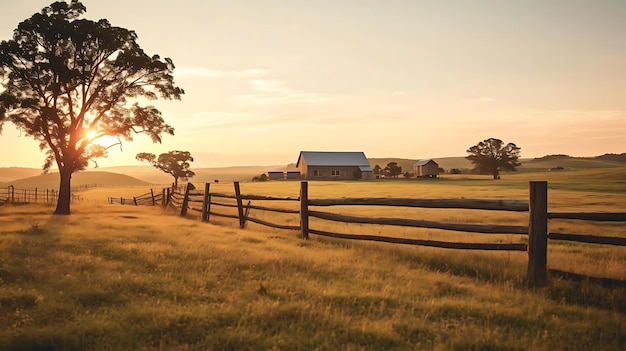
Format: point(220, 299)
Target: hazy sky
point(411, 79)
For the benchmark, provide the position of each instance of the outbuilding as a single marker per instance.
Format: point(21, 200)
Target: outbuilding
point(426, 168)
point(326, 165)
point(276, 175)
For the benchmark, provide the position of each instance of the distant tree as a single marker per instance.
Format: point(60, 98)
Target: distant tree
point(174, 163)
point(68, 81)
point(407, 175)
point(260, 178)
point(393, 170)
point(377, 170)
point(491, 156)
point(455, 171)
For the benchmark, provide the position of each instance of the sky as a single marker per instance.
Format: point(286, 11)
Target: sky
point(413, 79)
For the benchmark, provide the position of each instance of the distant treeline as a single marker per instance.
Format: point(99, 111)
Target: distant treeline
point(606, 157)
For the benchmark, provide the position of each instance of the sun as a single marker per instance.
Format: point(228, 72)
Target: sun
point(104, 140)
point(91, 134)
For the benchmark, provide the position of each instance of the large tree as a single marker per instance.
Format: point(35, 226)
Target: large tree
point(491, 156)
point(174, 163)
point(68, 81)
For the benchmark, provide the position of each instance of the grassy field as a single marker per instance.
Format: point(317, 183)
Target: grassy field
point(112, 277)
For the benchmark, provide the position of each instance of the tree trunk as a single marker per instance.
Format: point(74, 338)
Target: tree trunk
point(63, 202)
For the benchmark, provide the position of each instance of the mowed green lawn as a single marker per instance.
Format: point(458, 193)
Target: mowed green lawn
point(112, 277)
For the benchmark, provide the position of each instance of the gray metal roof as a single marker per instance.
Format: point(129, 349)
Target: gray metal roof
point(334, 158)
point(423, 162)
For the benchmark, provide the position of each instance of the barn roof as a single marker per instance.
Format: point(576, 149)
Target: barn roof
point(423, 162)
point(335, 158)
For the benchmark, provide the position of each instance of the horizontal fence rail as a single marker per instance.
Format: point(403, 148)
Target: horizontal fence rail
point(536, 232)
point(415, 223)
point(13, 195)
point(431, 243)
point(144, 199)
point(585, 216)
point(471, 204)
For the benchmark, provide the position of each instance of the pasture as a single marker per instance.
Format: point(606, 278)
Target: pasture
point(126, 277)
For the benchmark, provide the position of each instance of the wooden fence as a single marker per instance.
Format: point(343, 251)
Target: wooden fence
point(144, 199)
point(13, 195)
point(537, 231)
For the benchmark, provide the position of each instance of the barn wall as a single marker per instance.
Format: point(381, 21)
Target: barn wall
point(345, 172)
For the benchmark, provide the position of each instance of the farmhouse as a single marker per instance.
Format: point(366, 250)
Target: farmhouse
point(426, 168)
point(333, 165)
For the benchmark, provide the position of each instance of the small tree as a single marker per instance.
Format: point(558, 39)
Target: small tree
point(393, 170)
point(174, 163)
point(67, 81)
point(491, 156)
point(407, 175)
point(377, 170)
point(260, 178)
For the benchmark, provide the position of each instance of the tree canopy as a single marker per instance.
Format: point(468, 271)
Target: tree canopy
point(491, 156)
point(392, 170)
point(67, 81)
point(174, 163)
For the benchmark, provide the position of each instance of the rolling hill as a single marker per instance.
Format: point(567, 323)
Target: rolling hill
point(95, 178)
point(8, 174)
point(143, 175)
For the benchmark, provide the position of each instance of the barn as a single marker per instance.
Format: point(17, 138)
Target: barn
point(426, 168)
point(293, 175)
point(326, 165)
point(276, 175)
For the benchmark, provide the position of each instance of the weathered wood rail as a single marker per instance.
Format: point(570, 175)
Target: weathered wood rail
point(537, 231)
point(12, 195)
point(150, 198)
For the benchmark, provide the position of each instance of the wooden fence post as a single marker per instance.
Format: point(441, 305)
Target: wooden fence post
point(167, 197)
point(183, 207)
point(246, 214)
point(206, 202)
point(304, 210)
point(12, 193)
point(135, 200)
point(163, 197)
point(538, 234)
point(152, 195)
point(35, 195)
point(242, 220)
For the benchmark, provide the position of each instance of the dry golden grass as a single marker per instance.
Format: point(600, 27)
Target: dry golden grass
point(112, 277)
point(125, 277)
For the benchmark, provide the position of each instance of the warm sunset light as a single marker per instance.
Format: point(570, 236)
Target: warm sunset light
point(91, 135)
point(313, 175)
point(409, 79)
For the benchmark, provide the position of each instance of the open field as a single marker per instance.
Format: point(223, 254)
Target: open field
point(125, 277)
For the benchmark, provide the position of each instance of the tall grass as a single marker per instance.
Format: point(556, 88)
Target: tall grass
point(113, 277)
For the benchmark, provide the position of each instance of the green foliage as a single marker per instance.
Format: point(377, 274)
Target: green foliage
point(377, 170)
point(491, 156)
point(174, 163)
point(392, 170)
point(69, 81)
